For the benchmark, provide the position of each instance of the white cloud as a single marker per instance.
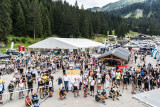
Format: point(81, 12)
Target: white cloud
point(91, 3)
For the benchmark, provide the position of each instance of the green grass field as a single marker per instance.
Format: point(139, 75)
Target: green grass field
point(24, 41)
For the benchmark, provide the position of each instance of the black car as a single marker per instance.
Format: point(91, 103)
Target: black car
point(147, 50)
point(13, 52)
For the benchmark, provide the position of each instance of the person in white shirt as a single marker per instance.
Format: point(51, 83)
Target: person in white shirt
point(99, 75)
point(38, 79)
point(54, 67)
point(76, 87)
point(107, 80)
point(50, 87)
point(66, 79)
point(92, 85)
point(21, 89)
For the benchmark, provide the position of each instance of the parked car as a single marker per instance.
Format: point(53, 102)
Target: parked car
point(12, 51)
point(147, 50)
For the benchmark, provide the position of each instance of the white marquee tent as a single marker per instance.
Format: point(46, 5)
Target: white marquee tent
point(65, 43)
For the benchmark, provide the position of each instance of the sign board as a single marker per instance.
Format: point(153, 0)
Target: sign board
point(73, 72)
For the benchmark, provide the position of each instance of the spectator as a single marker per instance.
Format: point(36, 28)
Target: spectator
point(33, 72)
point(62, 93)
point(59, 82)
point(125, 80)
point(85, 87)
point(100, 97)
point(35, 99)
point(92, 85)
point(11, 89)
point(30, 86)
point(50, 87)
point(104, 94)
point(66, 79)
point(112, 94)
point(21, 89)
point(75, 85)
point(28, 101)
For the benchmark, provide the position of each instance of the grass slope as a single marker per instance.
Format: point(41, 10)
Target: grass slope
point(24, 41)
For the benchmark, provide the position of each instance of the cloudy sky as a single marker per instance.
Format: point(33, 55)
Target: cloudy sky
point(91, 3)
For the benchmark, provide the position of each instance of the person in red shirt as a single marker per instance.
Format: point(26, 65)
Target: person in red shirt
point(28, 101)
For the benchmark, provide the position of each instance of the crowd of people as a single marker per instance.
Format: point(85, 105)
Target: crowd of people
point(36, 72)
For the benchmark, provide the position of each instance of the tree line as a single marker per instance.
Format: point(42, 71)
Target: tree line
point(43, 18)
point(149, 23)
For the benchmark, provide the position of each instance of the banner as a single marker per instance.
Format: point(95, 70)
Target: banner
point(73, 72)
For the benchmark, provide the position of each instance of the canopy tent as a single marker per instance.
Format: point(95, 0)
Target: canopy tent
point(65, 43)
point(3, 56)
point(118, 54)
point(150, 98)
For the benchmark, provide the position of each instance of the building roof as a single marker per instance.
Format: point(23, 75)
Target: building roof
point(65, 43)
point(118, 52)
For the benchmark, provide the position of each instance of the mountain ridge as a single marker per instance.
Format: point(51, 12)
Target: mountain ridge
point(117, 5)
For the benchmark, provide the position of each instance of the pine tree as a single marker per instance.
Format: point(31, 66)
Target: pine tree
point(34, 21)
point(20, 26)
point(45, 21)
point(5, 20)
point(110, 32)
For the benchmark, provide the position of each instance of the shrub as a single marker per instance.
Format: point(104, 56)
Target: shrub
point(23, 40)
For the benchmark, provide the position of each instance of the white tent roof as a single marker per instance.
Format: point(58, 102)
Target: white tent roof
point(65, 43)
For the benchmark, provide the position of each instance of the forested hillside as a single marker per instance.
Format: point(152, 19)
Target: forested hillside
point(42, 18)
point(149, 23)
point(117, 5)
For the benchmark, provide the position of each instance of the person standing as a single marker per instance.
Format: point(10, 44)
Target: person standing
point(113, 76)
point(107, 80)
point(59, 83)
point(118, 77)
point(135, 59)
point(66, 79)
point(133, 83)
point(92, 85)
point(21, 89)
point(125, 77)
point(50, 87)
point(75, 87)
point(103, 80)
point(30, 86)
